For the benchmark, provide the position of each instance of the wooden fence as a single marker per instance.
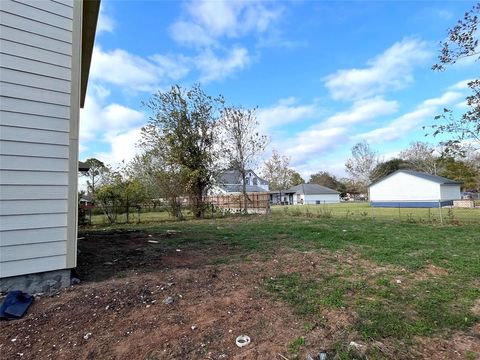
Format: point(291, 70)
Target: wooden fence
point(257, 202)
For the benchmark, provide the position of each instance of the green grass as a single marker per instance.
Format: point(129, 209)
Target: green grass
point(351, 211)
point(365, 211)
point(426, 306)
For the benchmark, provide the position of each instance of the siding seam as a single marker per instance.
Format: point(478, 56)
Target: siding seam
point(40, 9)
point(36, 60)
point(34, 33)
point(34, 87)
point(35, 20)
point(32, 258)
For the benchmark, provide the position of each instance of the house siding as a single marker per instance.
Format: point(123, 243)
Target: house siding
point(37, 81)
point(314, 199)
point(404, 187)
point(450, 192)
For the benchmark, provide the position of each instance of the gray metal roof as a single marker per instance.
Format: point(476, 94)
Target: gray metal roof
point(311, 189)
point(434, 178)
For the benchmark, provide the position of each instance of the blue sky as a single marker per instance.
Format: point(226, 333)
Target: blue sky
point(324, 74)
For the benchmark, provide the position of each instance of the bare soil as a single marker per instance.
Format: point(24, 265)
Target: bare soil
point(117, 311)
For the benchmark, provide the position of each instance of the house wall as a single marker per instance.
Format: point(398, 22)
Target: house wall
point(404, 187)
point(314, 199)
point(39, 105)
point(450, 192)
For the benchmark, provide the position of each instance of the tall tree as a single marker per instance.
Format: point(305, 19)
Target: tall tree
point(360, 166)
point(460, 170)
point(96, 173)
point(279, 175)
point(181, 126)
point(422, 157)
point(295, 178)
point(387, 167)
point(462, 42)
point(241, 143)
point(324, 178)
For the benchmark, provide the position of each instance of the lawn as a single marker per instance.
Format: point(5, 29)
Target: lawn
point(344, 210)
point(296, 283)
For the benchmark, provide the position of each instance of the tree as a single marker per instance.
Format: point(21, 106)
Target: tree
point(421, 156)
point(387, 167)
point(462, 42)
point(161, 181)
point(276, 171)
point(241, 142)
point(460, 170)
point(279, 175)
point(181, 128)
point(108, 196)
point(295, 178)
point(360, 166)
point(97, 171)
point(325, 179)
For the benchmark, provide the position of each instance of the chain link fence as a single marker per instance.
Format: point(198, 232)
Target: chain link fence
point(395, 212)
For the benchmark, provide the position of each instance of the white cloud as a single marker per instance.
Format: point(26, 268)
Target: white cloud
point(212, 67)
point(123, 147)
point(363, 110)
point(111, 119)
point(204, 21)
point(188, 33)
point(113, 125)
point(311, 143)
point(391, 70)
point(400, 126)
point(411, 120)
point(284, 112)
point(119, 67)
point(105, 23)
point(447, 98)
point(461, 85)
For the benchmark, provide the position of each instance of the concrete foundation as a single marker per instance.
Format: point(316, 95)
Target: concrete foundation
point(45, 282)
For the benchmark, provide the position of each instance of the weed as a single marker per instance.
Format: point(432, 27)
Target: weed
point(295, 345)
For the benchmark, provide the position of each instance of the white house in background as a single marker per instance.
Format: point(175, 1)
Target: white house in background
point(231, 182)
point(45, 52)
point(407, 188)
point(309, 194)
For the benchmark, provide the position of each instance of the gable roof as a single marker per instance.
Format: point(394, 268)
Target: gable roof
point(311, 189)
point(433, 178)
point(230, 177)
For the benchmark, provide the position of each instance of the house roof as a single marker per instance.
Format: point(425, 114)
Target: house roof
point(239, 188)
point(433, 178)
point(89, 26)
point(82, 166)
point(233, 177)
point(311, 189)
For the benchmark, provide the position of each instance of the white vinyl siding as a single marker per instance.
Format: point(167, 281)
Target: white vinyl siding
point(315, 199)
point(450, 192)
point(35, 87)
point(407, 187)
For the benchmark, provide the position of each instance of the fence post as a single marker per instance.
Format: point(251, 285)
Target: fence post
point(399, 214)
point(440, 211)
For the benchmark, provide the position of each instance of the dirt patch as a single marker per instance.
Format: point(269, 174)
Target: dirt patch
point(117, 312)
point(428, 272)
point(476, 308)
point(458, 346)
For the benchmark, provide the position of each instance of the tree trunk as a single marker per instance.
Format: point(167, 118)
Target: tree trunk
point(244, 191)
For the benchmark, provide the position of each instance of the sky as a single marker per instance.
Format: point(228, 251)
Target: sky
point(323, 74)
